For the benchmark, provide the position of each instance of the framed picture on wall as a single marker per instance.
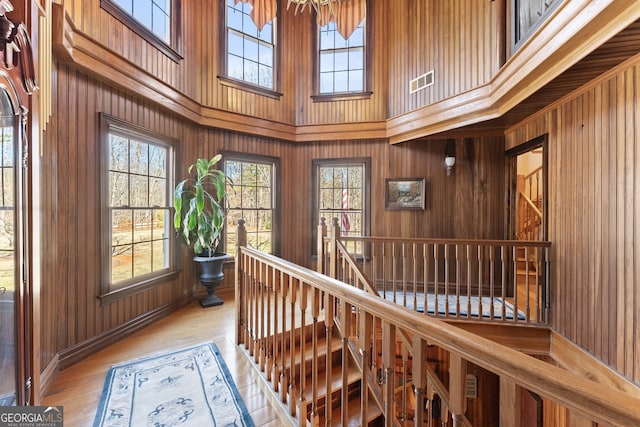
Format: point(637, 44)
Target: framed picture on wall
point(404, 193)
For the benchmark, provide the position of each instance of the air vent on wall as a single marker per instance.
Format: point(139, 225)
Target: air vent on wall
point(421, 82)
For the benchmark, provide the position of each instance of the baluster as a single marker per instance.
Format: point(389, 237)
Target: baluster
point(480, 280)
point(345, 314)
point(284, 372)
point(269, 335)
point(394, 274)
point(492, 280)
point(240, 274)
point(303, 365)
point(292, 347)
point(446, 280)
point(503, 258)
point(414, 250)
point(277, 335)
point(457, 281)
point(365, 331)
point(388, 363)
point(261, 317)
point(527, 299)
point(436, 281)
point(425, 286)
point(255, 349)
point(315, 313)
point(469, 285)
point(514, 263)
point(329, 322)
point(321, 248)
point(419, 378)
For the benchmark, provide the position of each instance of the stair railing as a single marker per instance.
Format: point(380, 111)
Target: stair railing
point(479, 280)
point(280, 305)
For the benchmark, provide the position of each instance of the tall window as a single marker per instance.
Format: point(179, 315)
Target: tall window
point(250, 53)
point(342, 62)
point(138, 182)
point(154, 20)
point(253, 198)
point(342, 192)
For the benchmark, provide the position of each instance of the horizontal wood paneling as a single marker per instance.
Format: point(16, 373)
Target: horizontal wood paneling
point(594, 163)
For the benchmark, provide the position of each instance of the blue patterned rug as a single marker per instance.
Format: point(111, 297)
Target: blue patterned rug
point(188, 387)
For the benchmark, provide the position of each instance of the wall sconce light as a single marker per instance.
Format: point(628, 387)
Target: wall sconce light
point(449, 162)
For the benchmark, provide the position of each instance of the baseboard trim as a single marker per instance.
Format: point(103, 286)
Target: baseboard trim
point(47, 375)
point(74, 354)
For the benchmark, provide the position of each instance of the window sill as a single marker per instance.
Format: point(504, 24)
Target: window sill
point(341, 96)
point(237, 84)
point(134, 288)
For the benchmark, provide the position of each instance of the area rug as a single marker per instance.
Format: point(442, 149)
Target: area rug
point(187, 387)
point(407, 300)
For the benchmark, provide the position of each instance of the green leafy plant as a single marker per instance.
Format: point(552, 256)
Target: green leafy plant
point(201, 205)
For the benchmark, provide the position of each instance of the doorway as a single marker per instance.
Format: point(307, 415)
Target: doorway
point(527, 190)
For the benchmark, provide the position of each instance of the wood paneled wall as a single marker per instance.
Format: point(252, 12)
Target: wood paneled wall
point(72, 316)
point(594, 194)
point(457, 39)
point(70, 202)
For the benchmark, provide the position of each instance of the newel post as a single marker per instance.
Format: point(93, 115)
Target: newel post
point(241, 310)
point(333, 259)
point(322, 233)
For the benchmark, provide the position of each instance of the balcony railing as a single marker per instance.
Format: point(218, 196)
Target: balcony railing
point(330, 352)
point(484, 280)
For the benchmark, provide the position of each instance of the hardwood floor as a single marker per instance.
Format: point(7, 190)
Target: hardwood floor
point(78, 388)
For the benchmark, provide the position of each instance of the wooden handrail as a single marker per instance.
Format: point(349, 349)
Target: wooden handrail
point(594, 401)
point(530, 203)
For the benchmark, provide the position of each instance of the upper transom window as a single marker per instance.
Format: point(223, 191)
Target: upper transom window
point(157, 21)
point(250, 53)
point(342, 62)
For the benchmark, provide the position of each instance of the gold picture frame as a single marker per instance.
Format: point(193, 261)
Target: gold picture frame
point(404, 193)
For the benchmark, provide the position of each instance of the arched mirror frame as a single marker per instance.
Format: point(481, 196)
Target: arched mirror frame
point(17, 83)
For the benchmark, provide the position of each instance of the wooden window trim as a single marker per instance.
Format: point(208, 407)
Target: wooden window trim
point(172, 51)
point(368, 51)
point(225, 80)
point(108, 294)
point(275, 226)
point(366, 208)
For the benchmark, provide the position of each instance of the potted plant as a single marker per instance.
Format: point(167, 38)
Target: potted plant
point(200, 208)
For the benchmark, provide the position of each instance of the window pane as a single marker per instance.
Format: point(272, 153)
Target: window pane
point(326, 61)
point(157, 192)
point(341, 81)
point(250, 72)
point(234, 18)
point(139, 162)
point(160, 255)
point(266, 55)
point(118, 189)
point(119, 154)
point(121, 227)
point(248, 27)
point(142, 226)
point(266, 34)
point(234, 64)
point(155, 15)
point(341, 61)
point(142, 258)
point(250, 50)
point(127, 5)
point(157, 161)
point(121, 263)
point(142, 12)
point(249, 197)
point(139, 191)
point(355, 81)
point(326, 82)
point(266, 76)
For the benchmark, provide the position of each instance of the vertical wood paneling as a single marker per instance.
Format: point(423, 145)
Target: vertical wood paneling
point(455, 39)
point(593, 211)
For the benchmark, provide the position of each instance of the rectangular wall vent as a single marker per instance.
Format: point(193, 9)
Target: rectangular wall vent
point(421, 82)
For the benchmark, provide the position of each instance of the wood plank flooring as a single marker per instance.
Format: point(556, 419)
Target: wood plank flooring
point(78, 388)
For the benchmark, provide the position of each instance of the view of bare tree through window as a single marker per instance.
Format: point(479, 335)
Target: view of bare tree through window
point(7, 208)
point(250, 52)
point(341, 195)
point(140, 215)
point(252, 199)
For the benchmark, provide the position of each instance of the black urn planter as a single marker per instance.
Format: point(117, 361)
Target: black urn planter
point(211, 275)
